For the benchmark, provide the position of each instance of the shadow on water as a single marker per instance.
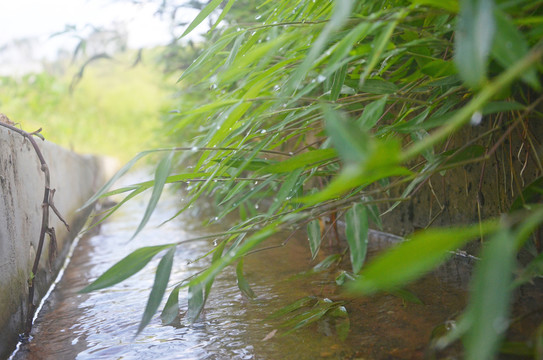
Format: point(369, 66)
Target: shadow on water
point(102, 324)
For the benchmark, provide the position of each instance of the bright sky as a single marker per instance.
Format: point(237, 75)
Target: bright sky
point(41, 18)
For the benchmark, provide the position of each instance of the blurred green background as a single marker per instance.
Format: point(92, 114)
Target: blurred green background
point(114, 109)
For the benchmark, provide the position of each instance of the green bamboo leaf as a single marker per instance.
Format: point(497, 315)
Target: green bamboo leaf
point(235, 49)
point(406, 295)
point(125, 268)
point(352, 143)
point(379, 44)
point(532, 270)
point(448, 5)
point(234, 254)
point(314, 234)
point(372, 113)
point(413, 124)
point(342, 11)
point(339, 79)
point(342, 322)
point(510, 46)
point(207, 54)
point(223, 14)
point(488, 310)
point(467, 153)
point(345, 45)
point(302, 160)
point(161, 174)
point(212, 5)
point(162, 277)
point(356, 232)
point(243, 284)
point(309, 317)
point(350, 178)
point(110, 212)
point(531, 222)
point(296, 305)
point(326, 263)
point(473, 40)
point(114, 178)
point(196, 301)
point(170, 313)
point(259, 54)
point(438, 68)
point(247, 164)
point(287, 188)
point(147, 184)
point(199, 292)
point(501, 106)
point(378, 86)
point(531, 194)
point(415, 257)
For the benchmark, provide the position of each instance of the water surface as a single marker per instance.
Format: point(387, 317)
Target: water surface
point(102, 324)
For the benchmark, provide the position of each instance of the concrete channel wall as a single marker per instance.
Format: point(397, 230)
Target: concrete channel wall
point(75, 178)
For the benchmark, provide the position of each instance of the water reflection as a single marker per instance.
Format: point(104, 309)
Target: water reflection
point(102, 324)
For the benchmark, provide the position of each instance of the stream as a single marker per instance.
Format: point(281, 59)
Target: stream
point(103, 324)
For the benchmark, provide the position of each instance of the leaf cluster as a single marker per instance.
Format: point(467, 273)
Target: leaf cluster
point(319, 108)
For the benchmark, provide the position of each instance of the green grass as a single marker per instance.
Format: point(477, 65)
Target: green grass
point(114, 110)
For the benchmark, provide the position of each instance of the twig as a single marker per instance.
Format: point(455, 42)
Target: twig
point(45, 229)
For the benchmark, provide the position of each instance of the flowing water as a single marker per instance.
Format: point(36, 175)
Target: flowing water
point(103, 324)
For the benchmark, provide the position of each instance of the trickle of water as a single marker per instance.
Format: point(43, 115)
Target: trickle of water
point(102, 324)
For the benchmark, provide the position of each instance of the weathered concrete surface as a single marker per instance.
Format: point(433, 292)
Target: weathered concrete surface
point(75, 178)
point(480, 190)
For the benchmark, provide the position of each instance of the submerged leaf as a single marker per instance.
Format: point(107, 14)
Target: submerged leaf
point(298, 304)
point(406, 295)
point(317, 312)
point(342, 322)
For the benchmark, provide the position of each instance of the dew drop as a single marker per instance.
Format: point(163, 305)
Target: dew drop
point(476, 118)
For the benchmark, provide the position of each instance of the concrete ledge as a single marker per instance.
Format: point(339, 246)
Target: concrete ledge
point(75, 178)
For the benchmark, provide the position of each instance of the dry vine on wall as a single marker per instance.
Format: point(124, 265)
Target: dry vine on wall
point(46, 205)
